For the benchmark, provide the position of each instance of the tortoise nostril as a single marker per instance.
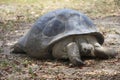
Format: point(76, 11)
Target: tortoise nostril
point(84, 50)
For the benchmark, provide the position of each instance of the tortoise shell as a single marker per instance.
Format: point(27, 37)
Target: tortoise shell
point(54, 26)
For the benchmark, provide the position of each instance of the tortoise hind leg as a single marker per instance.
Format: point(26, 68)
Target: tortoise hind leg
point(17, 49)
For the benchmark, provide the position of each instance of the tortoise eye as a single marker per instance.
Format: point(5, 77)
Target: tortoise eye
point(53, 28)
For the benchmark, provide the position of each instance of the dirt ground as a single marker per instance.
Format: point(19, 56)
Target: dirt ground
point(17, 17)
point(22, 67)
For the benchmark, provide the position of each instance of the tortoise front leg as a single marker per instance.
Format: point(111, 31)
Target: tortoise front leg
point(73, 54)
point(103, 52)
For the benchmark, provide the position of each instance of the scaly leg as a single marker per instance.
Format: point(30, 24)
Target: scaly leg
point(73, 54)
point(103, 52)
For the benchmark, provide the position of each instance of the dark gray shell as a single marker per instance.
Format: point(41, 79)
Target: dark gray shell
point(54, 26)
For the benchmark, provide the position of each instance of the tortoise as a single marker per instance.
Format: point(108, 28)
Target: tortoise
point(64, 34)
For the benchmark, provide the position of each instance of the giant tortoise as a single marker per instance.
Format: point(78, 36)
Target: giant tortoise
point(64, 34)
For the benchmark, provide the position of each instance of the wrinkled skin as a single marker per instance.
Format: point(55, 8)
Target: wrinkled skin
point(75, 47)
